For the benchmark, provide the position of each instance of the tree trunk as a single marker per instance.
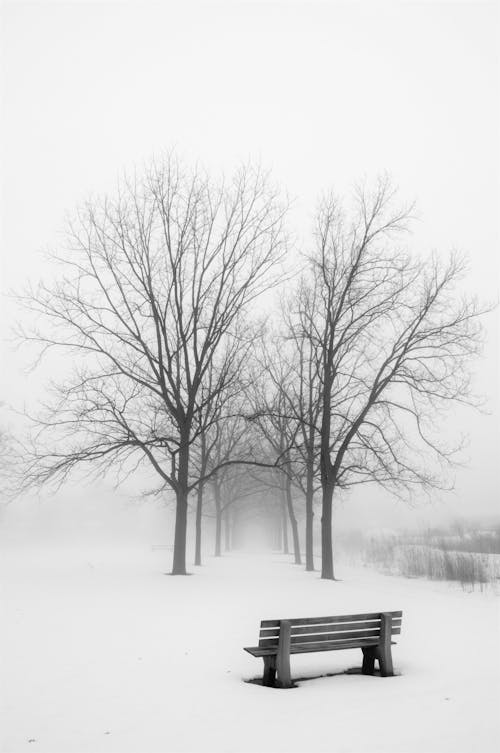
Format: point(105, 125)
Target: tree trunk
point(293, 521)
point(327, 479)
point(284, 526)
point(199, 508)
point(179, 563)
point(199, 501)
point(218, 519)
point(326, 533)
point(309, 520)
point(278, 530)
point(227, 531)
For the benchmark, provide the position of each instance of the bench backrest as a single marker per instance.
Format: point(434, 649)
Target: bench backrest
point(345, 627)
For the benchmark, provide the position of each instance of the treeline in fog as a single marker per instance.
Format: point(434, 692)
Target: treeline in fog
point(199, 341)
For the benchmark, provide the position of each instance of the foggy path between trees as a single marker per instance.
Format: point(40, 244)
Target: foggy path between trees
point(174, 376)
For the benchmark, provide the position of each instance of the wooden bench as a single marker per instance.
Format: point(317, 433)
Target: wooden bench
point(371, 632)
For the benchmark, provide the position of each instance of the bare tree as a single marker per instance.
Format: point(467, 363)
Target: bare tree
point(152, 289)
point(9, 458)
point(301, 397)
point(231, 450)
point(271, 413)
point(220, 410)
point(390, 338)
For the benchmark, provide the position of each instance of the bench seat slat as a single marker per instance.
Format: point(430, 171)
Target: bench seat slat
point(351, 635)
point(333, 619)
point(328, 628)
point(305, 648)
point(259, 651)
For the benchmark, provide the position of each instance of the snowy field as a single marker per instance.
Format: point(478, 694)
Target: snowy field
point(101, 651)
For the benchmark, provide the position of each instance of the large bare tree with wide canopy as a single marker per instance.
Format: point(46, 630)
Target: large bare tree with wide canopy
point(149, 304)
point(390, 338)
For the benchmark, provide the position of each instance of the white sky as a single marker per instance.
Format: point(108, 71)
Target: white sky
point(323, 93)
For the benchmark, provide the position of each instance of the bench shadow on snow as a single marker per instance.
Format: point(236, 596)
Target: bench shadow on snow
point(351, 671)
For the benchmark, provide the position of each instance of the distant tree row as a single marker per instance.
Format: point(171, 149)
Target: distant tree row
point(181, 359)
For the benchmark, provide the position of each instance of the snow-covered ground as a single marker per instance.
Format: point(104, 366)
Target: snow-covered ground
point(101, 651)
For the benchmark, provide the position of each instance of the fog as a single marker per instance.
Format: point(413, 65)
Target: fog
point(180, 425)
point(324, 95)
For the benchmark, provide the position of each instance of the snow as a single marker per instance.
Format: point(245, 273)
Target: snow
point(102, 651)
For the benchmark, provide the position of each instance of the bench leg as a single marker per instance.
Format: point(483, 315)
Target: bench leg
point(284, 679)
point(269, 671)
point(384, 656)
point(384, 653)
point(368, 667)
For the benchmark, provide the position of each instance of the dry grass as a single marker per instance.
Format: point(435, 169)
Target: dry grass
point(460, 553)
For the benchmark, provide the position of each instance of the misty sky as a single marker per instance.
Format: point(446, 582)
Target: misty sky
point(324, 94)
